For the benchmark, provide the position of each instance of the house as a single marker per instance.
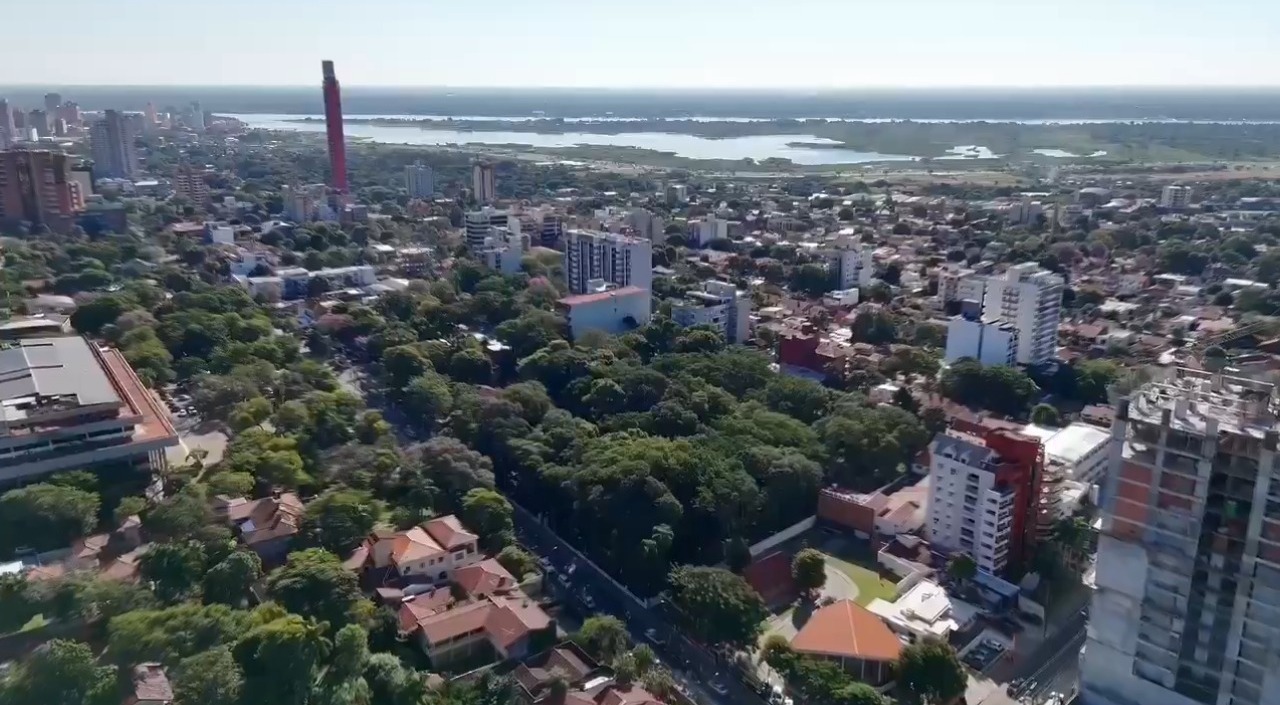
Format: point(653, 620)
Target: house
point(429, 553)
point(926, 610)
point(113, 556)
point(266, 525)
point(150, 686)
point(494, 627)
point(589, 683)
point(852, 637)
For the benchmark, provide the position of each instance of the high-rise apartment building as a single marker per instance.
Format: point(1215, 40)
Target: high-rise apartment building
point(1186, 609)
point(333, 128)
point(36, 187)
point(151, 119)
point(484, 185)
point(420, 180)
point(70, 112)
point(190, 184)
point(1175, 196)
point(111, 140)
point(38, 120)
point(195, 117)
point(479, 225)
point(852, 262)
point(621, 260)
point(983, 496)
point(52, 101)
point(719, 305)
point(8, 131)
point(1029, 298)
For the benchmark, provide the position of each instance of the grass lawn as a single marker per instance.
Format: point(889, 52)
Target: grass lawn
point(870, 584)
point(35, 622)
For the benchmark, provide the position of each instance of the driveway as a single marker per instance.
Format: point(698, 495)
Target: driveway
point(839, 586)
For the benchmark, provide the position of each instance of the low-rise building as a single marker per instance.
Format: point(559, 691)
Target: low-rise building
point(1080, 452)
point(502, 250)
point(67, 404)
point(926, 610)
point(719, 305)
point(852, 637)
point(266, 525)
point(992, 343)
point(296, 282)
point(610, 311)
point(428, 553)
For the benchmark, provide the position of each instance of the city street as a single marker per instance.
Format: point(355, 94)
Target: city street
point(1055, 666)
point(691, 665)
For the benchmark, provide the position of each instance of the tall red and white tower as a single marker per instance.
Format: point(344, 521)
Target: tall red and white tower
point(333, 128)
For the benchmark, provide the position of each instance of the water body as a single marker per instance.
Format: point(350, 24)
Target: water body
point(704, 118)
point(1064, 154)
point(970, 151)
point(758, 147)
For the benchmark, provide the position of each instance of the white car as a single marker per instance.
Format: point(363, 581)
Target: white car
point(719, 686)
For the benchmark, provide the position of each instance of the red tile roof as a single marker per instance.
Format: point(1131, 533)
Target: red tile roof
point(484, 578)
point(844, 629)
point(450, 532)
point(150, 685)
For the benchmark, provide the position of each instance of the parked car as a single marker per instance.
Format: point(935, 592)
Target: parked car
point(654, 637)
point(719, 686)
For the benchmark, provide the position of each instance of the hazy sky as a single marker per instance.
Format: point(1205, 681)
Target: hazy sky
point(650, 43)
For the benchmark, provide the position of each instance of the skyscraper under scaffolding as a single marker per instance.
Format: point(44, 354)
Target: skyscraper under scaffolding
point(1187, 605)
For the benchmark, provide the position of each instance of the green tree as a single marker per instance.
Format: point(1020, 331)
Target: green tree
point(930, 670)
point(454, 468)
point(427, 399)
point(280, 659)
point(489, 514)
point(174, 633)
point(127, 507)
point(209, 678)
point(1046, 415)
point(604, 637)
point(338, 520)
point(718, 606)
point(313, 583)
point(45, 516)
point(809, 571)
point(173, 569)
point(517, 561)
point(962, 568)
point(60, 672)
point(228, 582)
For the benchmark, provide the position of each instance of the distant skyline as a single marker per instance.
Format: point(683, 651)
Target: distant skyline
point(818, 44)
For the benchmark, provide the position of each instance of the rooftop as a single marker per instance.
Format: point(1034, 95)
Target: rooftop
point(925, 609)
point(844, 629)
point(47, 368)
point(1205, 403)
point(582, 299)
point(1074, 442)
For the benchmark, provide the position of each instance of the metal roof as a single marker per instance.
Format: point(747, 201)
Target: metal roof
point(53, 367)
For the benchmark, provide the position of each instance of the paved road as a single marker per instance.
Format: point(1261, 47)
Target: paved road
point(689, 663)
point(1055, 666)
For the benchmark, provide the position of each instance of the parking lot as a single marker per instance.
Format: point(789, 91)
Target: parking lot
point(985, 652)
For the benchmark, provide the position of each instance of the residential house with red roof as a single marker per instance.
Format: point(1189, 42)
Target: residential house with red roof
point(852, 637)
point(266, 525)
point(430, 553)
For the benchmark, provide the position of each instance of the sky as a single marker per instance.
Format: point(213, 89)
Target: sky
point(646, 44)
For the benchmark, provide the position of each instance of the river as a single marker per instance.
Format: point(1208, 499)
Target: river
point(758, 147)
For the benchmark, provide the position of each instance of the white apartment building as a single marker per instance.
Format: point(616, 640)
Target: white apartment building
point(720, 305)
point(968, 511)
point(992, 343)
point(1186, 608)
point(484, 183)
point(479, 225)
point(1175, 196)
point(647, 224)
point(303, 204)
point(611, 310)
point(502, 250)
point(1030, 298)
point(704, 230)
point(851, 261)
point(420, 180)
point(961, 284)
point(620, 260)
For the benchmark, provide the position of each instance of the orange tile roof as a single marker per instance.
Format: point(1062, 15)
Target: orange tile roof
point(414, 545)
point(450, 532)
point(413, 612)
point(628, 695)
point(483, 578)
point(844, 629)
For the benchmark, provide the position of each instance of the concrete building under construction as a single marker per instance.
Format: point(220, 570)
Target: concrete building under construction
point(1187, 606)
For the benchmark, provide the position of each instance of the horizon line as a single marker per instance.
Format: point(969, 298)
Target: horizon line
point(754, 89)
